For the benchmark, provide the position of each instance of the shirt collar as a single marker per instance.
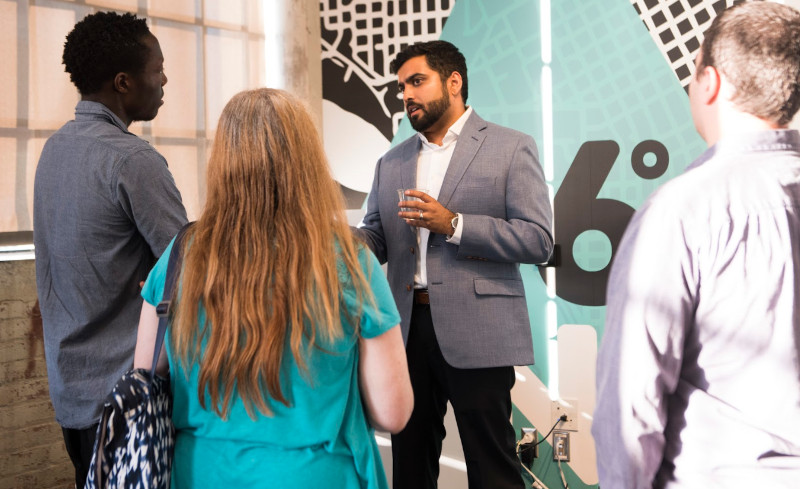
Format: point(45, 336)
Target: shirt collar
point(777, 140)
point(452, 132)
point(87, 109)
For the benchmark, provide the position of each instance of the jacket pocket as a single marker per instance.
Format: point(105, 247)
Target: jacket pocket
point(478, 182)
point(495, 286)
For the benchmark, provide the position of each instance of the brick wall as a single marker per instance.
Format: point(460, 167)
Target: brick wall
point(32, 453)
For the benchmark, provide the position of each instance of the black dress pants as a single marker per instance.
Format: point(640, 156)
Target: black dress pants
point(481, 400)
point(80, 447)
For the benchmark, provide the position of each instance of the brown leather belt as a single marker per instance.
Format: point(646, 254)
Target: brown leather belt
point(421, 296)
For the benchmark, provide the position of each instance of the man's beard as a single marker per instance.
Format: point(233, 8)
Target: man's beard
point(430, 113)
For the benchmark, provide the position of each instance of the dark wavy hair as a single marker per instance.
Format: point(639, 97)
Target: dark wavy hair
point(102, 45)
point(441, 56)
point(756, 45)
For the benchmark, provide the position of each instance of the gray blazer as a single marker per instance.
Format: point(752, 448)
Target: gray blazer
point(478, 304)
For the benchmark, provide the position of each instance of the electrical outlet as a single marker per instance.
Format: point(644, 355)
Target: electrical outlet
point(528, 449)
point(527, 435)
point(561, 446)
point(568, 407)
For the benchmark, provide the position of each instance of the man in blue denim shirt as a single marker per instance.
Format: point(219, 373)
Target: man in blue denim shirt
point(105, 207)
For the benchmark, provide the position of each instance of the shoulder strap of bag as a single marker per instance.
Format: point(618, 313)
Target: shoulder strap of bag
point(163, 307)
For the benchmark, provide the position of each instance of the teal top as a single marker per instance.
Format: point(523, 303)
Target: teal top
point(322, 437)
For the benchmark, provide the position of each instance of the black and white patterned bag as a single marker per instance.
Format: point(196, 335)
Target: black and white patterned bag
point(135, 438)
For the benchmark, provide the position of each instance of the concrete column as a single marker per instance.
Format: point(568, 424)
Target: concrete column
point(293, 51)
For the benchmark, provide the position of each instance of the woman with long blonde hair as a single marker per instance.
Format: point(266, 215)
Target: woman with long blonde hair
point(284, 348)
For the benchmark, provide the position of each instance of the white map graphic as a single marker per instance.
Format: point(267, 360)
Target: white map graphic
point(359, 40)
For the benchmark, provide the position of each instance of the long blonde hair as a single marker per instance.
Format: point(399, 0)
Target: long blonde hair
point(262, 258)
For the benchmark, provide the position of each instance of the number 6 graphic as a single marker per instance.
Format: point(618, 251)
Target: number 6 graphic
point(577, 209)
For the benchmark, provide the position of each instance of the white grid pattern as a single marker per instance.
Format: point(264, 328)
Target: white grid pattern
point(677, 28)
point(378, 30)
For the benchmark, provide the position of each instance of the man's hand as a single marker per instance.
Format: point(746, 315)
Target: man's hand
point(428, 214)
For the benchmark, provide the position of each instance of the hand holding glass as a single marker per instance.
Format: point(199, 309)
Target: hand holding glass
point(401, 196)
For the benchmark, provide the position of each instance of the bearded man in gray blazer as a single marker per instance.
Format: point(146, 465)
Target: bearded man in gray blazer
point(453, 266)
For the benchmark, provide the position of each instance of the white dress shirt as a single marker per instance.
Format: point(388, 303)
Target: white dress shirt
point(698, 373)
point(432, 164)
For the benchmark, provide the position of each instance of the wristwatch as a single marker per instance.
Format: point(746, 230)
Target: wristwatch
point(454, 224)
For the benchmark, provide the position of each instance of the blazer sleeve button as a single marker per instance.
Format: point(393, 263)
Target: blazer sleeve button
point(408, 287)
point(412, 250)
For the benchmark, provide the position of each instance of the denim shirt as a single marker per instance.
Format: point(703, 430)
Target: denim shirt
point(105, 208)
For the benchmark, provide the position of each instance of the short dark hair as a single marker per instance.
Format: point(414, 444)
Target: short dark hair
point(756, 46)
point(102, 45)
point(441, 56)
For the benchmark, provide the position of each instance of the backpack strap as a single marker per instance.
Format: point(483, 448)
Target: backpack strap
point(163, 307)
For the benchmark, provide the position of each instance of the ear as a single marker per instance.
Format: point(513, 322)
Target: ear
point(454, 83)
point(709, 83)
point(122, 82)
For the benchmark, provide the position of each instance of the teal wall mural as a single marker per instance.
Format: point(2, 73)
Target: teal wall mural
point(600, 85)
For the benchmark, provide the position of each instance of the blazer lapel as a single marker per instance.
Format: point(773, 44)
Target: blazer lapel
point(409, 156)
point(407, 172)
point(469, 141)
